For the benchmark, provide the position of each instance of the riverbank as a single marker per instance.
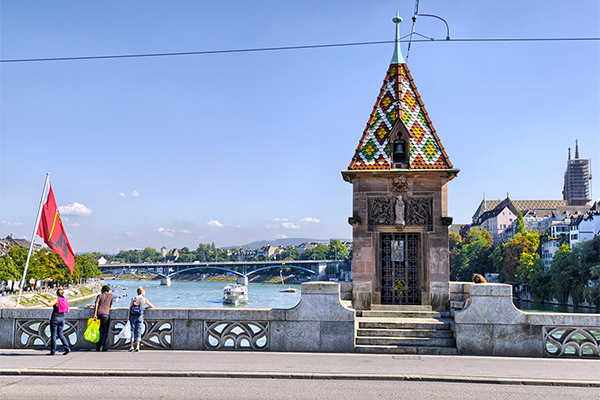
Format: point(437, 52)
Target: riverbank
point(197, 278)
point(34, 299)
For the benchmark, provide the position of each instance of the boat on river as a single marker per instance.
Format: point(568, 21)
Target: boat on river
point(235, 294)
point(289, 289)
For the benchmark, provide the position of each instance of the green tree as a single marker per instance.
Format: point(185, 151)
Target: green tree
point(520, 224)
point(524, 242)
point(473, 256)
point(290, 254)
point(337, 251)
point(531, 272)
point(563, 263)
point(319, 252)
point(8, 269)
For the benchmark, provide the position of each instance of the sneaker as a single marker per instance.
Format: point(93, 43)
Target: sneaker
point(67, 351)
point(50, 354)
point(104, 349)
point(136, 350)
point(131, 349)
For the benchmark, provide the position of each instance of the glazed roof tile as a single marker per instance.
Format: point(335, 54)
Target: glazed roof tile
point(399, 103)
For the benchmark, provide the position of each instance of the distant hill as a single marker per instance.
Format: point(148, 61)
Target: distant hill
point(281, 242)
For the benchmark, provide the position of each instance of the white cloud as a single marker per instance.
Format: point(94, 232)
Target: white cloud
point(131, 234)
point(135, 193)
point(74, 209)
point(187, 232)
point(290, 225)
point(214, 222)
point(8, 223)
point(280, 219)
point(281, 236)
point(73, 225)
point(121, 194)
point(309, 220)
point(166, 232)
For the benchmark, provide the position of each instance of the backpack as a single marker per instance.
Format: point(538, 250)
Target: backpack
point(62, 305)
point(136, 308)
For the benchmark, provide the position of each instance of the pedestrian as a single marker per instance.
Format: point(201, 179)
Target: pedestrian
point(102, 307)
point(60, 306)
point(135, 315)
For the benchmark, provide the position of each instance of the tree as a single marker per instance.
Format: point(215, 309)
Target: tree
point(520, 224)
point(531, 272)
point(8, 269)
point(337, 251)
point(474, 255)
point(289, 254)
point(319, 252)
point(561, 270)
point(524, 242)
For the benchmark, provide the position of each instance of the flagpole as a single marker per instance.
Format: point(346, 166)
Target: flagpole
point(37, 222)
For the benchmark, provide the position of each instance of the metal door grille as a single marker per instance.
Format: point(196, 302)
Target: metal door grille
point(400, 283)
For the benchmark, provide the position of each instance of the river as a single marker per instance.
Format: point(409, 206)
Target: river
point(185, 294)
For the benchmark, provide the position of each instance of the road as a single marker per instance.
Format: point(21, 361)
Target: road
point(119, 388)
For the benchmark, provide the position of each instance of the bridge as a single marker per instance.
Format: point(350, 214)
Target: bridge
point(167, 270)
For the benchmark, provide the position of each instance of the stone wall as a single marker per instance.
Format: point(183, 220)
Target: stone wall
point(490, 324)
point(319, 323)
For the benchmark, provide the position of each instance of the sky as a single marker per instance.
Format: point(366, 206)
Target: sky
point(232, 148)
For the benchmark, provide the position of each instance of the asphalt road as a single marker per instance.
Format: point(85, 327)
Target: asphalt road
point(119, 388)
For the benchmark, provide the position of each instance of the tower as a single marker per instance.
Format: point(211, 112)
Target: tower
point(576, 188)
point(399, 174)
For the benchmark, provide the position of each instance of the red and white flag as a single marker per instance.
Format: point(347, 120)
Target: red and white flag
point(52, 231)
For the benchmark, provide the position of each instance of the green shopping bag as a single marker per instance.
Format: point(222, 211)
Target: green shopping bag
point(92, 333)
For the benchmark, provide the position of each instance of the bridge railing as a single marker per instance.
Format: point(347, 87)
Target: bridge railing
point(319, 323)
point(490, 324)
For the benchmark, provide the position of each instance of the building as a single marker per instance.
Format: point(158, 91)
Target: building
point(399, 216)
point(576, 189)
point(9, 242)
point(499, 220)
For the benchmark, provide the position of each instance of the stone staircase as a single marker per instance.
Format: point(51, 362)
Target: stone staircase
point(405, 330)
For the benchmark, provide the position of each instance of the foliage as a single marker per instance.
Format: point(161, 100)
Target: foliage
point(337, 251)
point(45, 264)
point(523, 242)
point(473, 256)
point(319, 252)
point(520, 224)
point(531, 272)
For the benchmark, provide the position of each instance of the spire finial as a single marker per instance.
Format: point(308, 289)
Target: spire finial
point(576, 149)
point(397, 57)
point(569, 153)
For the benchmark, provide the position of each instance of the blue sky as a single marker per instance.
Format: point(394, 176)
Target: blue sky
point(233, 148)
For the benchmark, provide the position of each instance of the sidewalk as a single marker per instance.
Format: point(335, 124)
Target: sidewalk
point(501, 370)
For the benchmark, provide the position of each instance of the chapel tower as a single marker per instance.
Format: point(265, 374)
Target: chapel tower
point(400, 225)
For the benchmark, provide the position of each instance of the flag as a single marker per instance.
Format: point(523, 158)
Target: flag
point(52, 231)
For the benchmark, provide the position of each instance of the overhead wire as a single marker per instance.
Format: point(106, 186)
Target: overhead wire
point(412, 31)
point(302, 47)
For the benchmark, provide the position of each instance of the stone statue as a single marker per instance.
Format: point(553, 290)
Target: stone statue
point(399, 209)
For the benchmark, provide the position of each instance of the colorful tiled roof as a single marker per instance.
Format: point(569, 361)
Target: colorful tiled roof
point(399, 102)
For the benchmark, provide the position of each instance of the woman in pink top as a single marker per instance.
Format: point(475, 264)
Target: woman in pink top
point(60, 307)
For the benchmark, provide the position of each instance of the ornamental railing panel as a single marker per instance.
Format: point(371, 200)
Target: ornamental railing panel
point(34, 333)
point(156, 334)
point(571, 341)
point(236, 335)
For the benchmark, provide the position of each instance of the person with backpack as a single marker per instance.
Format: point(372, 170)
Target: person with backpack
point(135, 315)
point(60, 306)
point(102, 307)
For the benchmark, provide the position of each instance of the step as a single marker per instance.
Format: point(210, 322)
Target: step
point(395, 307)
point(405, 323)
point(406, 350)
point(404, 314)
point(405, 341)
point(430, 333)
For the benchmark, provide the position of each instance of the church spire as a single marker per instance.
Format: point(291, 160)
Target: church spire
point(397, 57)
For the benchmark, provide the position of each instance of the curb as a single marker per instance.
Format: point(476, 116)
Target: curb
point(298, 375)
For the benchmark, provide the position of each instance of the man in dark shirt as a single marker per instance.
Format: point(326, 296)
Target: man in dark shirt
point(102, 311)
